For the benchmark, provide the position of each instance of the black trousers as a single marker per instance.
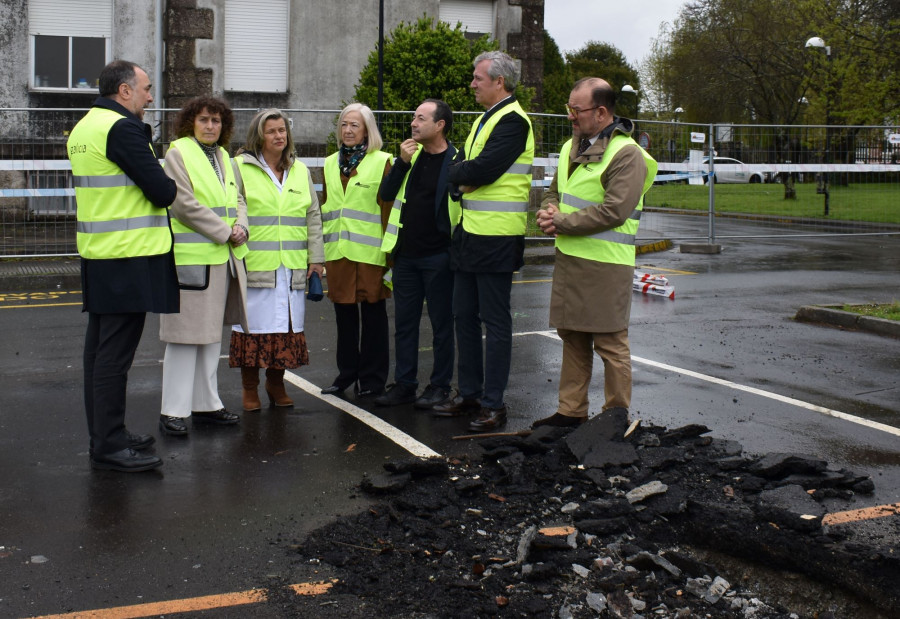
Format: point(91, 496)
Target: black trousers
point(363, 357)
point(109, 347)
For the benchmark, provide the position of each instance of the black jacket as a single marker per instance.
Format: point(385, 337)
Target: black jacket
point(144, 283)
point(480, 253)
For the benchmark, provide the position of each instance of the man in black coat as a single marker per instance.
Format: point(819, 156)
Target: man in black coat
point(118, 288)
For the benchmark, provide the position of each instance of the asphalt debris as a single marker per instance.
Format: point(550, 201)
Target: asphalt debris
point(585, 522)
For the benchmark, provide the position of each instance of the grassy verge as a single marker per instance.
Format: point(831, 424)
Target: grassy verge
point(889, 311)
point(870, 202)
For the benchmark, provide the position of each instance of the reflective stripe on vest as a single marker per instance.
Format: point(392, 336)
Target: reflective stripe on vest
point(392, 231)
point(351, 218)
point(278, 232)
point(114, 218)
point(192, 247)
point(584, 189)
point(499, 209)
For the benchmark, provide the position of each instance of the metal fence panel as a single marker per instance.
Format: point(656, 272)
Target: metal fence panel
point(801, 179)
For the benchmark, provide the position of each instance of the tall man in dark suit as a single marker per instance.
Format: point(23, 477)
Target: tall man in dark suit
point(125, 242)
point(493, 177)
point(418, 236)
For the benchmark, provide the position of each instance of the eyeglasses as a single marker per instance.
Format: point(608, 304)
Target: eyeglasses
point(575, 112)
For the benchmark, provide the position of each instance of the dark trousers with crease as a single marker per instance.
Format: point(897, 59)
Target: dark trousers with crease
point(483, 367)
point(109, 346)
point(363, 355)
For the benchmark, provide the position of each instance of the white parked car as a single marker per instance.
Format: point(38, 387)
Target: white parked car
point(730, 174)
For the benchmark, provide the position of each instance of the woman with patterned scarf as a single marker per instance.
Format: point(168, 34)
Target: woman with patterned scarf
point(209, 222)
point(353, 220)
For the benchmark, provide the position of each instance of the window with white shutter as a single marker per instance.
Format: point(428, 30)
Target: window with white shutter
point(256, 45)
point(476, 16)
point(70, 43)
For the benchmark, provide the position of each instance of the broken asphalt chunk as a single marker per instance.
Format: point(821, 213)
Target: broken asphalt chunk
point(385, 483)
point(418, 467)
point(779, 465)
point(790, 506)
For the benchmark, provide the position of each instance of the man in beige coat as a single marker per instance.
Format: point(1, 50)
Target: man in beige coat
point(592, 208)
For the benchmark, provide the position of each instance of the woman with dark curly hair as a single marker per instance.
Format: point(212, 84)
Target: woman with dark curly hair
point(209, 221)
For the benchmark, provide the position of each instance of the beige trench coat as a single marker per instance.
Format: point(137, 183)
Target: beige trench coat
point(204, 313)
point(591, 296)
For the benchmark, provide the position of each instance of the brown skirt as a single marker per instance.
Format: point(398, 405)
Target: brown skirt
point(279, 351)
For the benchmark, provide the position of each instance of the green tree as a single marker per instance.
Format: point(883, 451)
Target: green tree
point(557, 78)
point(744, 61)
point(426, 59)
point(606, 61)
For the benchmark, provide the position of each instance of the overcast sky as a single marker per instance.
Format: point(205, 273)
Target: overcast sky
point(627, 24)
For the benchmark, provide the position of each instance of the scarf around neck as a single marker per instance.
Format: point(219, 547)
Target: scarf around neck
point(210, 152)
point(351, 156)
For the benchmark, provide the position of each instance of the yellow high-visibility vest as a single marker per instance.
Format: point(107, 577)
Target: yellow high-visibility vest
point(351, 218)
point(499, 209)
point(114, 218)
point(584, 189)
point(192, 247)
point(278, 232)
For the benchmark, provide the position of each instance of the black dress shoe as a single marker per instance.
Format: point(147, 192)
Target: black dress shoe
point(220, 417)
point(126, 461)
point(333, 389)
point(490, 419)
point(456, 407)
point(396, 395)
point(432, 396)
point(173, 426)
point(139, 441)
point(557, 420)
point(368, 393)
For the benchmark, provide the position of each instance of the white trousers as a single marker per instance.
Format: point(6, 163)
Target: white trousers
point(190, 381)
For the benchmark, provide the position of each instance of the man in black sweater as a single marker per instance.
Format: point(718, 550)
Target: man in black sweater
point(418, 235)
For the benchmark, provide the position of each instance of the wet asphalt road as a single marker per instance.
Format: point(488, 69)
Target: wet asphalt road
point(221, 514)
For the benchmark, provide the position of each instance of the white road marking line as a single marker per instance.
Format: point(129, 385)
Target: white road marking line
point(379, 425)
point(766, 394)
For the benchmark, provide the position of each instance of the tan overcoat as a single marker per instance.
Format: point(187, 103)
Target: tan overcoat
point(591, 296)
point(224, 302)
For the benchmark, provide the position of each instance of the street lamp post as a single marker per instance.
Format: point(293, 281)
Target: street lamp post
point(380, 96)
point(630, 90)
point(672, 143)
point(819, 42)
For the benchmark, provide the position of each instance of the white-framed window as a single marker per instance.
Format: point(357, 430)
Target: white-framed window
point(476, 16)
point(70, 43)
point(256, 45)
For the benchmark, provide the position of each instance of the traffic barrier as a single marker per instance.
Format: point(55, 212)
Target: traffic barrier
point(657, 285)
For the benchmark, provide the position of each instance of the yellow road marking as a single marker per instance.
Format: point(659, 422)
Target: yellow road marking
point(533, 281)
point(38, 305)
point(856, 515)
point(186, 605)
point(25, 297)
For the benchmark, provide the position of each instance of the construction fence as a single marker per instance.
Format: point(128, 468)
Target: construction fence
point(781, 180)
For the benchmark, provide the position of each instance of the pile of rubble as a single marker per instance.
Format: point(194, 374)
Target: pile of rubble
point(607, 520)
